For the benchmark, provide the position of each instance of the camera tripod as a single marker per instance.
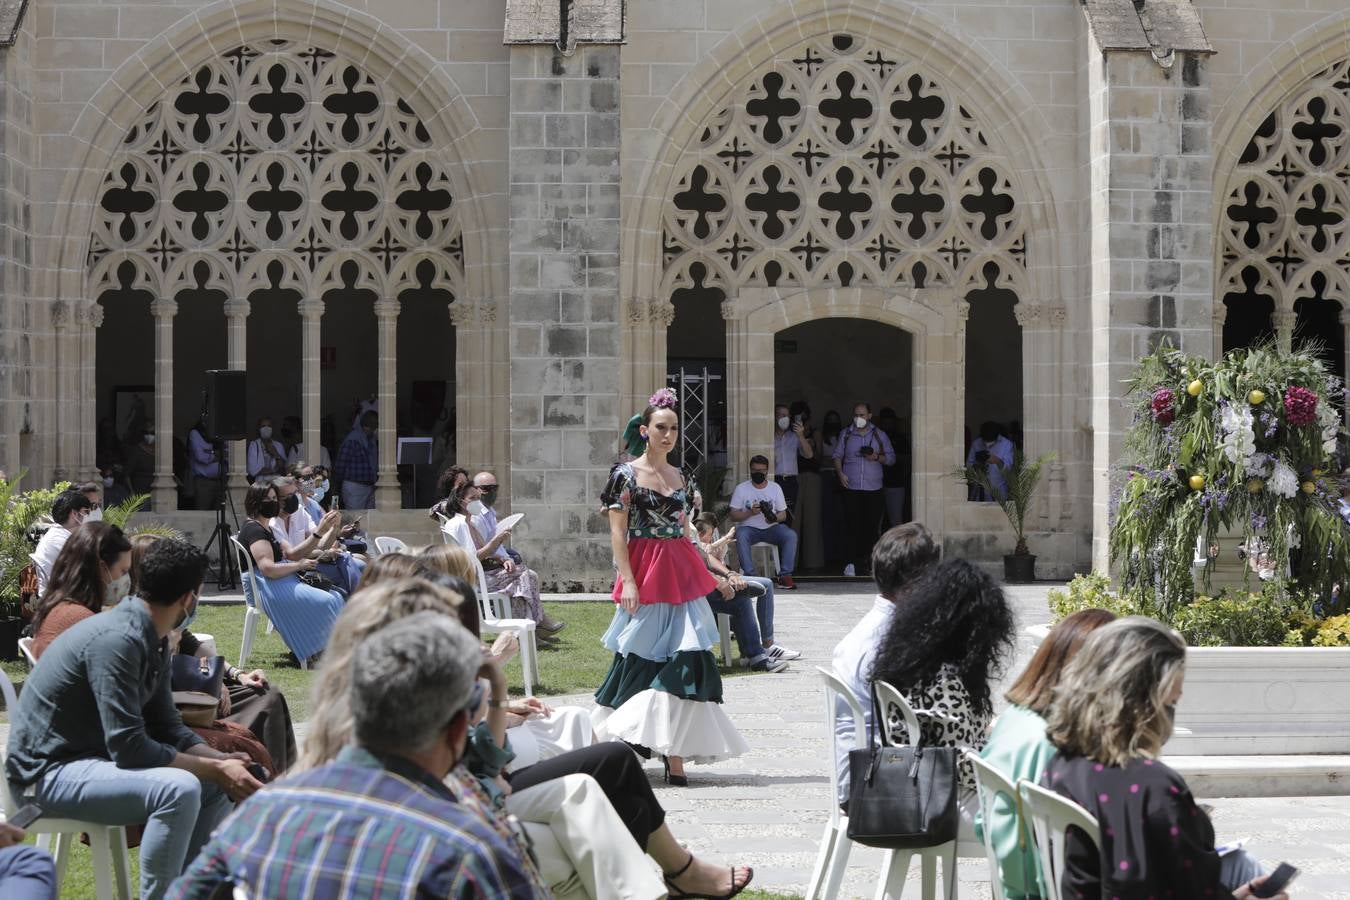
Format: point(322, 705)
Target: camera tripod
point(227, 568)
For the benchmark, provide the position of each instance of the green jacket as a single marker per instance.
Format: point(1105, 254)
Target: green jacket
point(1019, 749)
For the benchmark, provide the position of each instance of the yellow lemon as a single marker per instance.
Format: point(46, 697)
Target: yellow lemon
point(1317, 473)
point(1256, 397)
point(1309, 487)
point(1255, 486)
point(1197, 482)
point(1195, 387)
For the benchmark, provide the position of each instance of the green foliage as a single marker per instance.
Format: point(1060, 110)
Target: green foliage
point(19, 512)
point(1093, 591)
point(1233, 619)
point(1022, 477)
point(1333, 632)
point(1200, 465)
point(120, 515)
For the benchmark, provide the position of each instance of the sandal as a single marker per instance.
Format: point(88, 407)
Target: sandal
point(676, 893)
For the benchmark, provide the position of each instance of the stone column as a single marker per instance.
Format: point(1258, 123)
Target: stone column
point(236, 336)
point(1151, 236)
point(1220, 318)
point(63, 470)
point(564, 305)
point(1284, 320)
point(311, 374)
point(387, 495)
point(90, 322)
point(1344, 321)
point(163, 494)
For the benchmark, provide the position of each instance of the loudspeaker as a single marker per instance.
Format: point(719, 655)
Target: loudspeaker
point(225, 401)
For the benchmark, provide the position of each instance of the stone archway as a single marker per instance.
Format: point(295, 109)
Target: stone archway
point(936, 322)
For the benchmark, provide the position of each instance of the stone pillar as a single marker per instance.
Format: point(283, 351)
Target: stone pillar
point(1151, 237)
point(63, 470)
point(1344, 321)
point(311, 374)
point(1284, 320)
point(1220, 318)
point(236, 336)
point(90, 322)
point(387, 495)
point(564, 305)
point(162, 492)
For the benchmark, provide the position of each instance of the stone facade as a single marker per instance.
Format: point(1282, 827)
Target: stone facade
point(1088, 174)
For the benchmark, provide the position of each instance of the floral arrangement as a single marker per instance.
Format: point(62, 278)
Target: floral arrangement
point(663, 399)
point(1243, 445)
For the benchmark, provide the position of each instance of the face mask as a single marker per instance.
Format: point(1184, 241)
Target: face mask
point(476, 508)
point(759, 477)
point(269, 508)
point(265, 432)
point(323, 488)
point(108, 481)
point(859, 422)
point(95, 515)
point(318, 494)
point(291, 503)
point(117, 589)
point(150, 439)
point(489, 495)
point(186, 618)
point(782, 423)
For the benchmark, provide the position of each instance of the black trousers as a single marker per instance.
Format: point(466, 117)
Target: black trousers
point(862, 511)
point(789, 485)
point(617, 770)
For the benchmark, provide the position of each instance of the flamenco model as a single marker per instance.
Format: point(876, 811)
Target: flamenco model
point(663, 691)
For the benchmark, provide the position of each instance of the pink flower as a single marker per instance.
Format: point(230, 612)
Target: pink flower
point(1300, 406)
point(663, 399)
point(1161, 406)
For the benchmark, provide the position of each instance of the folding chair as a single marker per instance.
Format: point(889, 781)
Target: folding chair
point(992, 784)
point(1051, 816)
point(385, 545)
point(724, 635)
point(108, 843)
point(26, 648)
point(832, 859)
point(252, 603)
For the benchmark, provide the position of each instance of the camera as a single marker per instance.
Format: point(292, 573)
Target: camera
point(982, 456)
point(766, 508)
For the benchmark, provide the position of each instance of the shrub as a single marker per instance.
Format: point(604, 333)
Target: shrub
point(1333, 632)
point(1233, 619)
point(1093, 591)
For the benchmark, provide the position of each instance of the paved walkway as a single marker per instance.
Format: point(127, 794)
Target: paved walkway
point(768, 808)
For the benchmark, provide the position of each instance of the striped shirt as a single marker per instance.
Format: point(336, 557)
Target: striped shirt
point(359, 827)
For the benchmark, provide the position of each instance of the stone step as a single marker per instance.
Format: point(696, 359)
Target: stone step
point(1265, 776)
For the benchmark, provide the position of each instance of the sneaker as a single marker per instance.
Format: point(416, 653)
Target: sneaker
point(786, 583)
point(848, 570)
point(768, 665)
point(778, 651)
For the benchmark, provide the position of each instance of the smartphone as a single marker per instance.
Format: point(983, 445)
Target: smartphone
point(26, 815)
point(258, 772)
point(1278, 881)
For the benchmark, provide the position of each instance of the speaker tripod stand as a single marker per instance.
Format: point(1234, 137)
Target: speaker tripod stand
point(227, 568)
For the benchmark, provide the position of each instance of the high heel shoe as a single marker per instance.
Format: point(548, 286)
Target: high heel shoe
point(677, 893)
point(675, 781)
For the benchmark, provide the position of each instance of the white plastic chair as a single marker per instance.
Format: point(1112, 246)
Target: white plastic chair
point(255, 596)
point(1050, 817)
point(108, 843)
point(991, 784)
point(445, 523)
point(26, 648)
point(895, 864)
point(724, 635)
point(43, 575)
point(385, 545)
point(832, 858)
point(769, 554)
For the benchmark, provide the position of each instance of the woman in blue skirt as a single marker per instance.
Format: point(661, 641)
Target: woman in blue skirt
point(663, 691)
point(303, 614)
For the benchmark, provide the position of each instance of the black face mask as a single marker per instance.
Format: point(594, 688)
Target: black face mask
point(759, 477)
point(489, 495)
point(269, 508)
point(291, 503)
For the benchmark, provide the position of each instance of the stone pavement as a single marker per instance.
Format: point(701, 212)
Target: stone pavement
point(768, 808)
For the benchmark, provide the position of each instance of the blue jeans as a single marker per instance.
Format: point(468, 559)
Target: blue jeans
point(1238, 868)
point(179, 810)
point(762, 590)
point(742, 622)
point(27, 873)
point(781, 536)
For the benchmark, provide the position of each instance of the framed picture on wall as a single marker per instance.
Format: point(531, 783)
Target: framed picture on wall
point(133, 410)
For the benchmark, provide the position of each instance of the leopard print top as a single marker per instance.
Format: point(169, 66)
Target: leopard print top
point(947, 717)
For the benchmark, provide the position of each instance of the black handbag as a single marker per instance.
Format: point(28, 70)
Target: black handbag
point(902, 798)
point(318, 580)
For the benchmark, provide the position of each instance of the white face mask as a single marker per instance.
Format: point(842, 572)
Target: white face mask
point(95, 515)
point(476, 508)
point(117, 589)
point(150, 439)
point(782, 423)
point(108, 481)
point(859, 422)
point(265, 432)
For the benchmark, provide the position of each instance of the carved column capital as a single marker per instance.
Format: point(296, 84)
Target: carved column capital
point(164, 308)
point(729, 309)
point(1027, 314)
point(963, 312)
point(1057, 316)
point(60, 315)
point(92, 314)
point(387, 309)
point(461, 314)
point(662, 312)
point(635, 311)
point(487, 312)
point(237, 308)
point(311, 308)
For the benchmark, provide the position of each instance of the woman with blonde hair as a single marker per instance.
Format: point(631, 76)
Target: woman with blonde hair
point(1111, 714)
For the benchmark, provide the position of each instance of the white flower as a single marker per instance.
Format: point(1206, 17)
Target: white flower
point(1330, 420)
point(1283, 482)
point(1239, 438)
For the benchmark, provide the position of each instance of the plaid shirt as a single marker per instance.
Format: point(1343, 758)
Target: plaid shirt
point(360, 827)
point(356, 459)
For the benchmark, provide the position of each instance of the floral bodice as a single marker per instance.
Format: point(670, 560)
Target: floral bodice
point(651, 514)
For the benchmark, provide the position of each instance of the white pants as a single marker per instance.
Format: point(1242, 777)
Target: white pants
point(582, 846)
point(543, 737)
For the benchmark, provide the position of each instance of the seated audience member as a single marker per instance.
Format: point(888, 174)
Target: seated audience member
point(95, 735)
point(358, 462)
point(485, 522)
point(598, 833)
point(733, 597)
point(247, 701)
point(313, 488)
point(293, 439)
point(266, 455)
point(302, 537)
point(451, 480)
point(26, 873)
point(1020, 750)
point(94, 491)
point(900, 557)
point(69, 509)
point(946, 645)
point(753, 504)
point(90, 573)
point(1111, 714)
point(412, 693)
point(538, 731)
point(303, 614)
point(714, 546)
point(521, 584)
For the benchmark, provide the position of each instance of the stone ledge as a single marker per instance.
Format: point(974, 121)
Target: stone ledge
point(1264, 776)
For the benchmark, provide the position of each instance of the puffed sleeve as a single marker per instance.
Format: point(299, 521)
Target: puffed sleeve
point(618, 490)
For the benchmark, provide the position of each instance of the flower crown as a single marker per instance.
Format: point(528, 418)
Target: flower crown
point(663, 399)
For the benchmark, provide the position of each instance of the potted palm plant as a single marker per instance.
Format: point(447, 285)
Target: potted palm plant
point(1022, 477)
point(19, 513)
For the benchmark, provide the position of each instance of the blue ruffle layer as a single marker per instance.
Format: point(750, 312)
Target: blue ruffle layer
point(660, 630)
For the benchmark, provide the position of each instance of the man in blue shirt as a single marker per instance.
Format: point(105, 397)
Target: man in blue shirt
point(358, 463)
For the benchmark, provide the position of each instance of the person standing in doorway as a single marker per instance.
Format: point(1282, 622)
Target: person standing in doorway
point(862, 452)
point(995, 452)
point(789, 442)
point(358, 463)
